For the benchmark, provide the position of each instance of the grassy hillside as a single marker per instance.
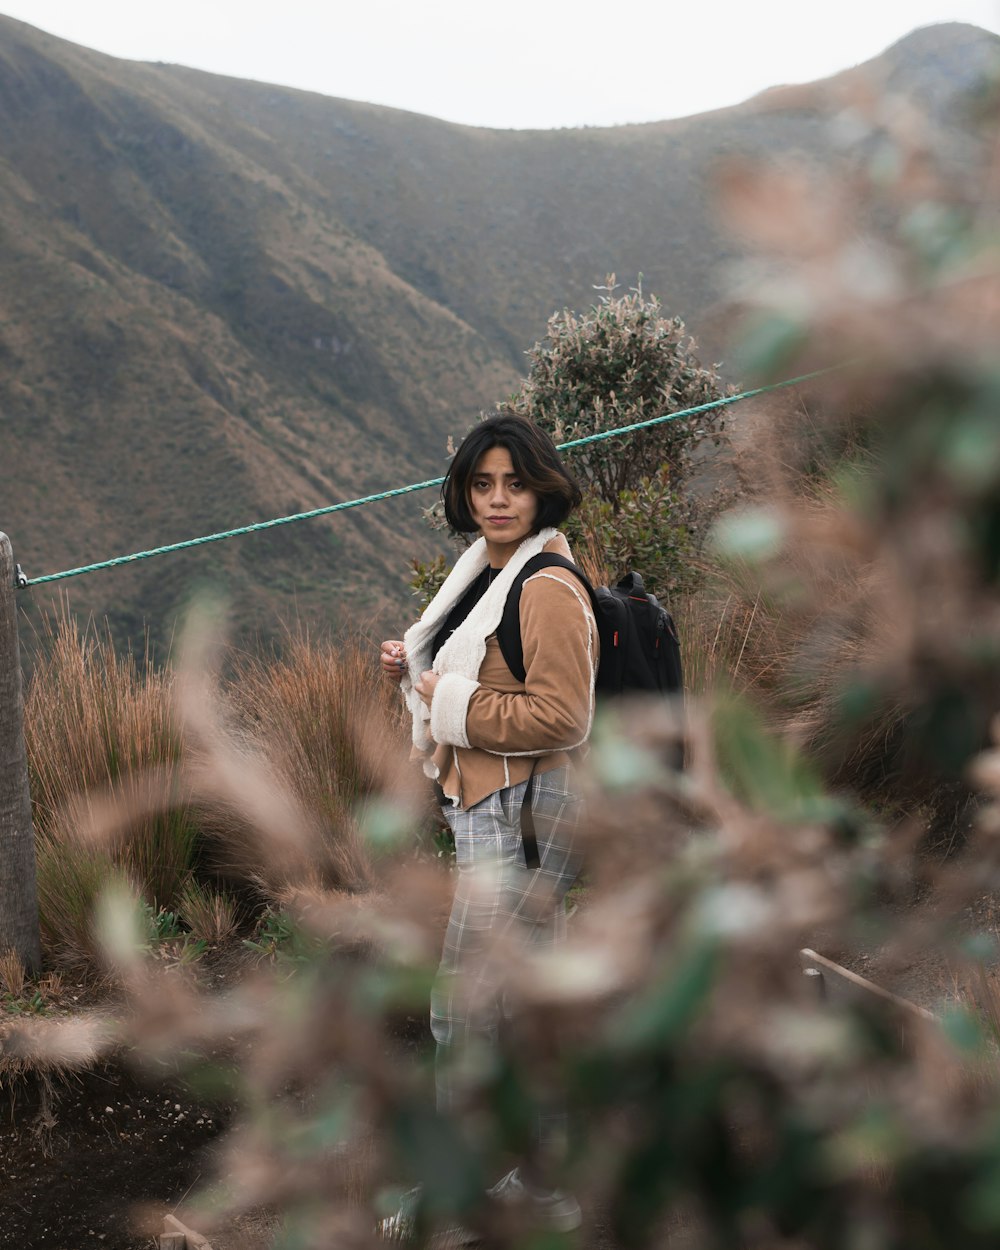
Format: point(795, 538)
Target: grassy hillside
point(222, 301)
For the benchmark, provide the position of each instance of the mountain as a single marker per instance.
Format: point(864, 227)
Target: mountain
point(222, 301)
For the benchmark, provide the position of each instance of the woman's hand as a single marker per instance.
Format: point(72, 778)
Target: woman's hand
point(425, 686)
point(393, 659)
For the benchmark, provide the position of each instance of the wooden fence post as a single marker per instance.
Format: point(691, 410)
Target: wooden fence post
point(18, 888)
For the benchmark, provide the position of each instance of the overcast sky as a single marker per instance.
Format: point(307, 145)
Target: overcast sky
point(520, 63)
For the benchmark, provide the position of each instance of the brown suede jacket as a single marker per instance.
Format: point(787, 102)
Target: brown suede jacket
point(492, 732)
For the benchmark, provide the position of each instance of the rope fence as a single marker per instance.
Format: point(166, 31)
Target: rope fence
point(22, 581)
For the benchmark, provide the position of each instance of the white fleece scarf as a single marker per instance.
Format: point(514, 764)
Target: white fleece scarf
point(465, 650)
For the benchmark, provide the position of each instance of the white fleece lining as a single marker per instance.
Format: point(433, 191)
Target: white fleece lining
point(449, 709)
point(456, 798)
point(589, 614)
point(464, 651)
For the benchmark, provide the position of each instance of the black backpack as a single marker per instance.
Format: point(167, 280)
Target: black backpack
point(640, 651)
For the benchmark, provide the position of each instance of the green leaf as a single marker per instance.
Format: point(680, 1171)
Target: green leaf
point(617, 763)
point(980, 947)
point(856, 703)
point(769, 343)
point(394, 988)
point(753, 534)
point(433, 1151)
point(763, 770)
point(668, 1007)
point(964, 1030)
point(386, 825)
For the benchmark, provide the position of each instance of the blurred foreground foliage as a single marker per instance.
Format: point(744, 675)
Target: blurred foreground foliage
point(715, 1099)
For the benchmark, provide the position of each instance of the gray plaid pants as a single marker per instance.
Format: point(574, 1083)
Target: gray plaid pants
point(498, 902)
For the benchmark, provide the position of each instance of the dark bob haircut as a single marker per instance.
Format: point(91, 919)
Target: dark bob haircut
point(536, 462)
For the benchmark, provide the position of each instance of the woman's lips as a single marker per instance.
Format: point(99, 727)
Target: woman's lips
point(500, 520)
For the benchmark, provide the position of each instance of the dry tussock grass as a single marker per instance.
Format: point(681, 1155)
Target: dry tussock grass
point(97, 722)
point(141, 776)
point(209, 914)
point(332, 734)
point(721, 628)
point(12, 973)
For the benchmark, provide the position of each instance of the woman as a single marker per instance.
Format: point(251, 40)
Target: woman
point(483, 735)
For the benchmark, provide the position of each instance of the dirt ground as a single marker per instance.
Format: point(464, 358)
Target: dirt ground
point(96, 1158)
point(90, 1160)
point(96, 1163)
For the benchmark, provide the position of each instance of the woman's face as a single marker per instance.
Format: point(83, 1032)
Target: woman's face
point(503, 509)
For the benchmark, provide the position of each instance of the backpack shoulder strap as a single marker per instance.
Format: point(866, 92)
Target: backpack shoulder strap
point(509, 629)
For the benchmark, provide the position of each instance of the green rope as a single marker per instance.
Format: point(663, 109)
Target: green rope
point(690, 412)
point(243, 529)
point(405, 490)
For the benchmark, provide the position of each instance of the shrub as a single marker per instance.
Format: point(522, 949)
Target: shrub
point(647, 528)
point(622, 362)
point(619, 363)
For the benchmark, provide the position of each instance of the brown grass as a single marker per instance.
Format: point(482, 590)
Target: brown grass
point(96, 720)
point(125, 778)
point(12, 975)
point(331, 730)
point(209, 914)
point(722, 627)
